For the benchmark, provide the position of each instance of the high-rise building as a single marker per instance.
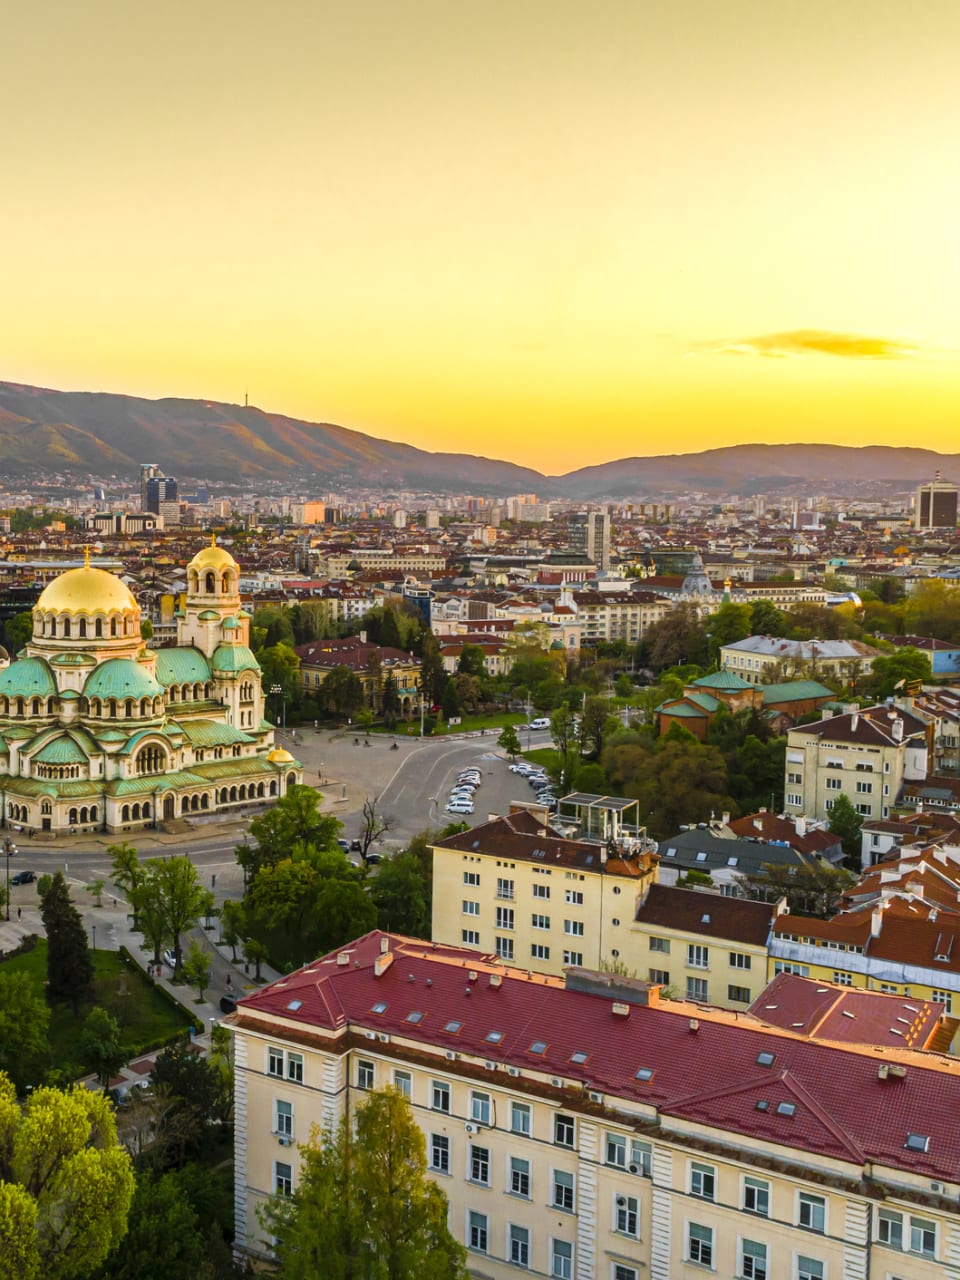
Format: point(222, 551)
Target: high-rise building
point(936, 505)
point(147, 472)
point(162, 499)
point(590, 537)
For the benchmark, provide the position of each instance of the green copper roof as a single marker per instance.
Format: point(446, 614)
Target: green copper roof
point(682, 709)
point(182, 666)
point(73, 660)
point(207, 733)
point(230, 624)
point(208, 615)
point(121, 678)
point(705, 700)
point(234, 657)
point(61, 751)
point(27, 677)
point(243, 767)
point(722, 680)
point(795, 691)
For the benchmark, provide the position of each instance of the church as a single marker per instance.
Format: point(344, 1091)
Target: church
point(100, 733)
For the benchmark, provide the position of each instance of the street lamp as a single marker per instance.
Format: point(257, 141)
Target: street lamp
point(9, 850)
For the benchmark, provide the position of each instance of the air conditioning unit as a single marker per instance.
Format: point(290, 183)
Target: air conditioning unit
point(621, 1202)
point(557, 1082)
point(452, 1055)
point(371, 1035)
point(491, 1066)
point(469, 1127)
point(382, 1036)
point(513, 1071)
point(595, 1097)
point(937, 1187)
point(634, 1168)
point(284, 1140)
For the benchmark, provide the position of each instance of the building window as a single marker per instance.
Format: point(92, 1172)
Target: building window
point(573, 927)
point(365, 1075)
point(504, 888)
point(890, 1228)
point(942, 997)
point(842, 979)
point(627, 1215)
point(809, 1268)
point(703, 1180)
point(478, 1232)
point(439, 1153)
point(616, 1150)
point(471, 877)
point(403, 1083)
point(700, 1244)
point(470, 937)
point(564, 1131)
point(622, 1272)
point(923, 1237)
point(660, 944)
point(295, 1067)
point(641, 1158)
point(698, 957)
point(282, 1178)
point(480, 1108)
point(812, 1212)
point(540, 922)
point(574, 958)
point(519, 1177)
point(794, 799)
point(834, 784)
point(283, 1118)
point(574, 897)
point(756, 1197)
point(480, 1165)
point(519, 1246)
point(865, 809)
point(520, 1118)
point(697, 990)
point(739, 960)
point(274, 1062)
point(794, 779)
point(661, 976)
point(563, 1190)
point(504, 917)
point(753, 1260)
point(440, 1096)
point(787, 966)
point(541, 890)
point(864, 788)
point(539, 952)
point(738, 995)
point(471, 908)
point(505, 948)
point(561, 1260)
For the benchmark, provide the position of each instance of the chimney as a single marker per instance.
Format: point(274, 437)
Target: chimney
point(363, 637)
point(800, 823)
point(382, 964)
point(725, 818)
point(603, 855)
point(384, 945)
point(876, 921)
point(854, 721)
point(897, 729)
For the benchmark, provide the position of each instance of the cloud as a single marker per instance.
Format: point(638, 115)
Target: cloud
point(817, 342)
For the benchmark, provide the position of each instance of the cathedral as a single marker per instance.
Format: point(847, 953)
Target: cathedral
point(100, 733)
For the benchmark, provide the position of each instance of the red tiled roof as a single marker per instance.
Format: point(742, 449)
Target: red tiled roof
point(710, 914)
point(705, 1067)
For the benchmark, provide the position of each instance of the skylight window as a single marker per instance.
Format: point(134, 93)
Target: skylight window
point(701, 857)
point(579, 1057)
point(917, 1142)
point(294, 1005)
point(645, 1073)
point(416, 1016)
point(671, 853)
point(539, 1046)
point(494, 1037)
point(765, 1059)
point(786, 1108)
point(732, 862)
point(379, 1007)
point(763, 1104)
point(453, 1027)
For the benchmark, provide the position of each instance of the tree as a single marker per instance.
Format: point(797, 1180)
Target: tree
point(374, 824)
point(164, 1237)
point(450, 700)
point(146, 629)
point(730, 623)
point(389, 633)
point(96, 888)
point(342, 691)
point(846, 823)
point(280, 665)
point(397, 892)
point(509, 741)
point(198, 966)
point(190, 1090)
point(232, 925)
point(766, 619)
point(593, 726)
point(179, 896)
point(888, 675)
point(100, 1047)
point(433, 677)
point(18, 631)
point(294, 822)
point(815, 889)
point(364, 1206)
point(391, 700)
point(66, 1184)
point(128, 875)
point(24, 1024)
point(344, 911)
point(933, 609)
point(678, 637)
point(255, 953)
point(69, 963)
point(472, 661)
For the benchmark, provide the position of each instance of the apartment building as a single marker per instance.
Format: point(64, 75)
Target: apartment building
point(580, 1128)
point(513, 888)
point(616, 615)
point(371, 663)
point(866, 755)
point(767, 659)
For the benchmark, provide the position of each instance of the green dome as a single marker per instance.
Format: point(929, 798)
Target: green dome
point(182, 666)
point(121, 678)
point(230, 624)
point(234, 657)
point(61, 751)
point(209, 615)
point(27, 677)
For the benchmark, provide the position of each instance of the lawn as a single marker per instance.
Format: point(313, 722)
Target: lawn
point(146, 1018)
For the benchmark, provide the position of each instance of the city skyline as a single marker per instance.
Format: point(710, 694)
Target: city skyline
point(505, 232)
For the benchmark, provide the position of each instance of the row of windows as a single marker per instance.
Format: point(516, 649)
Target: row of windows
point(505, 919)
point(698, 956)
point(506, 889)
point(505, 948)
point(518, 1247)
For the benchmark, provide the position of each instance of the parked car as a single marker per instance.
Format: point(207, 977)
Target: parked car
point(356, 846)
point(541, 722)
point(344, 845)
point(23, 877)
point(459, 806)
point(372, 859)
point(170, 958)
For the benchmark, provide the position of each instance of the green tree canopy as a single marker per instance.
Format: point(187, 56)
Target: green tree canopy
point(364, 1208)
point(24, 1024)
point(66, 1184)
point(846, 823)
point(509, 741)
point(398, 893)
point(100, 1046)
point(888, 675)
point(69, 963)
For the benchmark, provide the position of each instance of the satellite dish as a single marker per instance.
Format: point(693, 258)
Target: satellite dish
point(900, 683)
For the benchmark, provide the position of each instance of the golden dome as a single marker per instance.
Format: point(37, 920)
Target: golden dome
point(88, 591)
point(212, 557)
point(279, 755)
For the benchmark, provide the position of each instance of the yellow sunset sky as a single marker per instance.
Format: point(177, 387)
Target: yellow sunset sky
point(557, 233)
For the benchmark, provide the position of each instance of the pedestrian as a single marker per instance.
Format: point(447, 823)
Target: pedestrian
point(229, 983)
point(19, 912)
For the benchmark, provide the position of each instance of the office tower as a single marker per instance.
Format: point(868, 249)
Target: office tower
point(147, 472)
point(936, 505)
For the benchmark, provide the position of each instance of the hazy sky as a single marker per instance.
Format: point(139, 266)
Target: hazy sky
point(553, 232)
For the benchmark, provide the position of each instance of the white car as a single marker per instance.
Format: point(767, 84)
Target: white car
point(459, 806)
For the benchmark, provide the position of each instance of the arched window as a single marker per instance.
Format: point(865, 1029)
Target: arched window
point(83, 815)
point(273, 788)
point(98, 628)
point(136, 813)
point(112, 710)
point(96, 706)
point(93, 813)
point(82, 628)
point(53, 627)
point(35, 707)
point(125, 813)
point(204, 802)
point(150, 759)
point(211, 583)
point(144, 706)
point(72, 817)
point(66, 626)
point(113, 627)
point(225, 584)
point(128, 708)
point(184, 804)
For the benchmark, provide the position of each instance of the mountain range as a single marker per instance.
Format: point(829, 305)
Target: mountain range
point(83, 433)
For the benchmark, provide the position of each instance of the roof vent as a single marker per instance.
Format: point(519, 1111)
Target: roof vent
point(384, 945)
point(496, 980)
point(621, 1010)
point(343, 957)
point(694, 1024)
